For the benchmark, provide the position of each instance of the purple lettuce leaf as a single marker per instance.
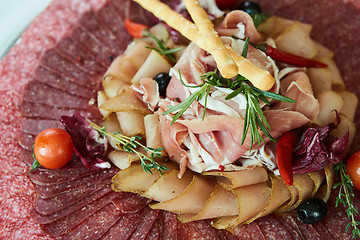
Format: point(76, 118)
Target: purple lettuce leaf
point(318, 148)
point(89, 145)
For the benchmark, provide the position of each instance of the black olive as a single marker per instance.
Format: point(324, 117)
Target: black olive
point(163, 80)
point(311, 211)
point(250, 7)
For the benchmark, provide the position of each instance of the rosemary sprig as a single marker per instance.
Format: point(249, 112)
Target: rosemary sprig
point(254, 116)
point(345, 198)
point(130, 145)
point(162, 50)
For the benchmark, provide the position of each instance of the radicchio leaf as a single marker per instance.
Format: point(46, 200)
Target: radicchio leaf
point(89, 145)
point(318, 148)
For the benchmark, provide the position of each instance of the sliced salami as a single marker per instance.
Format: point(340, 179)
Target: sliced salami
point(96, 225)
point(61, 82)
point(145, 226)
point(50, 191)
point(63, 225)
point(272, 229)
point(37, 92)
point(35, 126)
point(168, 223)
point(42, 111)
point(126, 225)
point(45, 219)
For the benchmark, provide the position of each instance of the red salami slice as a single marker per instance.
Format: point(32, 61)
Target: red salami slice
point(80, 56)
point(100, 32)
point(42, 111)
point(109, 17)
point(249, 231)
point(100, 222)
point(54, 61)
point(307, 230)
point(67, 198)
point(154, 233)
point(126, 225)
point(200, 230)
point(64, 83)
point(35, 126)
point(146, 224)
point(288, 222)
point(272, 229)
point(63, 225)
point(50, 191)
point(169, 225)
point(37, 92)
point(45, 219)
point(130, 202)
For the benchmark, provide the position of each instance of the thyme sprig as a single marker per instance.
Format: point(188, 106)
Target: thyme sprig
point(131, 144)
point(162, 49)
point(254, 116)
point(345, 197)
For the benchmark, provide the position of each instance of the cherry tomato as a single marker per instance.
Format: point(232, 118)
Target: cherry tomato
point(353, 169)
point(226, 4)
point(53, 148)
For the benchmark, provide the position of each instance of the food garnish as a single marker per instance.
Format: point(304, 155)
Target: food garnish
point(53, 149)
point(318, 148)
point(130, 145)
point(204, 35)
point(353, 169)
point(345, 197)
point(162, 80)
point(288, 58)
point(138, 30)
point(254, 10)
point(311, 211)
point(284, 152)
point(254, 116)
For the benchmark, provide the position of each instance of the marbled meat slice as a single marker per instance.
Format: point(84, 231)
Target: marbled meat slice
point(272, 229)
point(154, 232)
point(126, 225)
point(249, 231)
point(63, 225)
point(67, 198)
point(73, 170)
point(42, 111)
point(96, 225)
point(108, 16)
point(45, 219)
point(200, 230)
point(169, 224)
point(50, 191)
point(130, 202)
point(100, 32)
point(307, 230)
point(102, 53)
point(35, 126)
point(146, 224)
point(59, 64)
point(80, 56)
point(66, 84)
point(37, 92)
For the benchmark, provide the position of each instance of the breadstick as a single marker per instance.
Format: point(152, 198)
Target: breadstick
point(229, 63)
point(225, 63)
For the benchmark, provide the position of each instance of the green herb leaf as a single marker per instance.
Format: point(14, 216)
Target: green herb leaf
point(35, 164)
point(345, 197)
point(163, 50)
point(131, 144)
point(258, 18)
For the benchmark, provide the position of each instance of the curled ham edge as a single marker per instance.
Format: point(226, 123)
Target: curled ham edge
point(214, 190)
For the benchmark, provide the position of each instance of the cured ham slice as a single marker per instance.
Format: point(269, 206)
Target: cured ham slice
point(239, 24)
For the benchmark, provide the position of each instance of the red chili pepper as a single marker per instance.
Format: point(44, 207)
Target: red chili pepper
point(135, 29)
point(284, 151)
point(289, 58)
